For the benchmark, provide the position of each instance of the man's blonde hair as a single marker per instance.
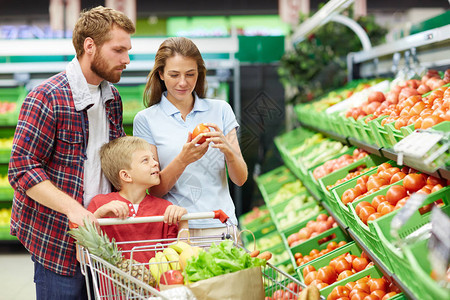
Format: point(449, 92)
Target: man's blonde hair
point(117, 155)
point(97, 24)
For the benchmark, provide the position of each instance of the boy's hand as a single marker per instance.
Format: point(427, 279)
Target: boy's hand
point(114, 208)
point(173, 214)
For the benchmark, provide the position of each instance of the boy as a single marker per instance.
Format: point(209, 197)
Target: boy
point(129, 165)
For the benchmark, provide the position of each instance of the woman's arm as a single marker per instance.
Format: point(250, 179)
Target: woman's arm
point(229, 145)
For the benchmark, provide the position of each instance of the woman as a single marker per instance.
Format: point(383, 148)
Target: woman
point(192, 176)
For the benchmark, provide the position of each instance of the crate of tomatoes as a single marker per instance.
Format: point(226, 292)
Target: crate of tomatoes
point(345, 264)
point(365, 286)
point(371, 211)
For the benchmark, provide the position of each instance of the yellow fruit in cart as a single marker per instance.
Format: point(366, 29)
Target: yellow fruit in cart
point(173, 257)
point(188, 253)
point(180, 246)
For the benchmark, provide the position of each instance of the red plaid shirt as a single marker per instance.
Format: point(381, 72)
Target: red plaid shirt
point(49, 144)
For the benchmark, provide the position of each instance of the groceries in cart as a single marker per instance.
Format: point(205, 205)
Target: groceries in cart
point(193, 266)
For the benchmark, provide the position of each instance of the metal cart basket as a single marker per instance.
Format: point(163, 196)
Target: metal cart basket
point(110, 282)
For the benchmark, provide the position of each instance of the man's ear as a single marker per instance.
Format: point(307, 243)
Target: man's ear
point(89, 46)
point(125, 176)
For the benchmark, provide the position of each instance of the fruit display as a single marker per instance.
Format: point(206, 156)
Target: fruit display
point(322, 223)
point(7, 107)
point(367, 287)
point(338, 163)
point(287, 191)
point(378, 103)
point(338, 268)
point(294, 214)
point(302, 259)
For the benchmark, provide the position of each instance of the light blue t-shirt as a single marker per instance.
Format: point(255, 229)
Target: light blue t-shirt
point(203, 186)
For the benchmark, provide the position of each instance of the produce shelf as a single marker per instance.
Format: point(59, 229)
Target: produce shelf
point(442, 173)
point(382, 267)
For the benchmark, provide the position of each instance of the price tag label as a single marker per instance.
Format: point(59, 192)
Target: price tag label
point(439, 243)
point(418, 143)
point(411, 206)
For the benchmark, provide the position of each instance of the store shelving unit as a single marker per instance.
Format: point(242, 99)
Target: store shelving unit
point(27, 62)
point(430, 49)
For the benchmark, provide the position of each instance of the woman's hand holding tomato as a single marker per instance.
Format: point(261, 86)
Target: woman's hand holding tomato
point(217, 137)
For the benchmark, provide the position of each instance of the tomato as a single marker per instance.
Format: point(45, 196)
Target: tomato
point(327, 274)
point(376, 182)
point(310, 277)
point(341, 243)
point(361, 205)
point(199, 129)
point(362, 180)
point(342, 265)
point(321, 285)
point(338, 292)
point(374, 216)
point(360, 263)
point(395, 193)
point(361, 188)
point(278, 294)
point(387, 208)
point(384, 166)
point(436, 188)
point(389, 295)
point(350, 285)
point(358, 295)
point(377, 200)
point(379, 284)
point(371, 297)
point(379, 293)
point(172, 277)
point(397, 177)
point(307, 269)
point(344, 274)
point(332, 245)
point(414, 182)
point(350, 195)
point(365, 212)
point(433, 180)
point(294, 287)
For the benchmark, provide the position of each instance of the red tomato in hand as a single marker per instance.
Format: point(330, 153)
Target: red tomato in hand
point(200, 128)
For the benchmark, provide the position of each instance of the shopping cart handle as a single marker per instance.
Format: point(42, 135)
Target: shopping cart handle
point(218, 214)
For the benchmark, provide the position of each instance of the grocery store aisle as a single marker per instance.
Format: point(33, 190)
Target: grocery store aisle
point(16, 273)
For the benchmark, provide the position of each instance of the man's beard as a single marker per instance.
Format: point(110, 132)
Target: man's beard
point(100, 67)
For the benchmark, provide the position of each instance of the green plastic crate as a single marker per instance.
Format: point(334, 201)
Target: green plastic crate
point(368, 233)
point(255, 223)
point(379, 133)
point(337, 192)
point(426, 288)
point(14, 95)
point(373, 272)
point(132, 100)
point(399, 261)
point(257, 233)
point(312, 206)
point(330, 179)
point(334, 234)
point(324, 260)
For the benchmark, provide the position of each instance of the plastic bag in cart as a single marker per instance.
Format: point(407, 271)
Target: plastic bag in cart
point(178, 293)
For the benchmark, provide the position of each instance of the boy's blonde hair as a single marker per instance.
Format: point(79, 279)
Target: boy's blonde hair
point(117, 155)
point(97, 24)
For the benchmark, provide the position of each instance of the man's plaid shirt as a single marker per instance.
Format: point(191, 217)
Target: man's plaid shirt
point(49, 144)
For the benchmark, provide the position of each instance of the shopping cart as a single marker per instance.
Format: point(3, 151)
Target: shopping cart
point(110, 282)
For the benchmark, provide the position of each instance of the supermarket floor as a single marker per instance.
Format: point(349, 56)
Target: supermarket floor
point(16, 273)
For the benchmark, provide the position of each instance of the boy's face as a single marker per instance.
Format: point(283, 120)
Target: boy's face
point(144, 168)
